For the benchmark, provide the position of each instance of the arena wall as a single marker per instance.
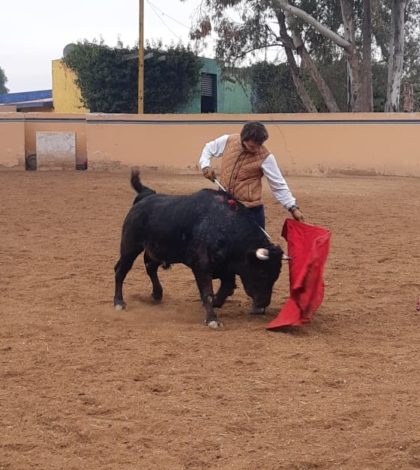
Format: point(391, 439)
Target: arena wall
point(317, 144)
point(12, 140)
point(36, 122)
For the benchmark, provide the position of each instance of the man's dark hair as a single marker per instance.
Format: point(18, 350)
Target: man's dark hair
point(254, 131)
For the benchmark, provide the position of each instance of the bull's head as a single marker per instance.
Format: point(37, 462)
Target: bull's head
point(259, 272)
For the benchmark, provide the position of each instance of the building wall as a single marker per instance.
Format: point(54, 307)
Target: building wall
point(27, 101)
point(235, 98)
point(66, 94)
point(4, 108)
point(231, 97)
point(307, 144)
point(38, 109)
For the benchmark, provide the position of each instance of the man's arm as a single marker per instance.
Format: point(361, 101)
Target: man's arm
point(212, 149)
point(279, 187)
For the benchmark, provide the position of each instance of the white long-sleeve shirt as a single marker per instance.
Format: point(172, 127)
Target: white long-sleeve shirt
point(271, 170)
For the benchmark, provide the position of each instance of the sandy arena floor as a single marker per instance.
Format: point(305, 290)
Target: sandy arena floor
point(85, 387)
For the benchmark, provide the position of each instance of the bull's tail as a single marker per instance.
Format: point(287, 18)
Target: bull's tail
point(141, 190)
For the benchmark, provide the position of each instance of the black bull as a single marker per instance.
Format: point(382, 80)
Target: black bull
point(207, 231)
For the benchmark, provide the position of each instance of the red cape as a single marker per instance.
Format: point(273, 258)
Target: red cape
point(308, 246)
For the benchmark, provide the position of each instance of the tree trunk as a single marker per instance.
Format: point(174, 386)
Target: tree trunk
point(396, 56)
point(284, 6)
point(319, 81)
point(366, 68)
point(359, 82)
point(408, 100)
point(355, 101)
point(299, 85)
point(321, 84)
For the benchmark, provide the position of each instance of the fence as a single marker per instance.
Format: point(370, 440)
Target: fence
point(306, 144)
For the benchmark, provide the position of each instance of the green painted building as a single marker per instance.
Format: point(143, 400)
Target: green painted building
point(215, 95)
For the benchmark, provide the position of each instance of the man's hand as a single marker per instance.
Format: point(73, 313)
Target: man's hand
point(297, 214)
point(209, 173)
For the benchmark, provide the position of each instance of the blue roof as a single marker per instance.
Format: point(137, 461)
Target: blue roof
point(24, 96)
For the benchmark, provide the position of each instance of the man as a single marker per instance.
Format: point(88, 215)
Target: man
point(245, 161)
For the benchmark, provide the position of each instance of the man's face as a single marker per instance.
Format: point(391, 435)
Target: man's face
point(251, 146)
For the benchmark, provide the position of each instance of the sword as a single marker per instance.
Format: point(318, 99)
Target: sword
point(224, 190)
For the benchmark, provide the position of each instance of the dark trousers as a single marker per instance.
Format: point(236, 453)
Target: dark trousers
point(258, 215)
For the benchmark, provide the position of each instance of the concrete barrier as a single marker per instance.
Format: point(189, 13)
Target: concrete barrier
point(306, 144)
point(12, 140)
point(56, 150)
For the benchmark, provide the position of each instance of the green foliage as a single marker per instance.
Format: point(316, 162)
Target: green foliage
point(379, 83)
point(327, 12)
point(107, 80)
point(273, 90)
point(108, 77)
point(3, 81)
point(171, 78)
point(245, 28)
point(334, 74)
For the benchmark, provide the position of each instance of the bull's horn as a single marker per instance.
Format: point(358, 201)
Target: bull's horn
point(262, 253)
point(286, 258)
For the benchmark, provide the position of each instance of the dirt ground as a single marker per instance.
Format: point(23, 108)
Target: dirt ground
point(85, 387)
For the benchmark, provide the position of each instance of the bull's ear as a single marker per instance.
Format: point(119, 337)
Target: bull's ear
point(262, 254)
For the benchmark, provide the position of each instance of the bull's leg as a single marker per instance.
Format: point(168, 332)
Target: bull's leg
point(205, 286)
point(257, 310)
point(152, 268)
point(226, 289)
point(121, 269)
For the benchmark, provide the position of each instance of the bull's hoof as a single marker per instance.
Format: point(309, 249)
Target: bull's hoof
point(215, 324)
point(258, 311)
point(120, 306)
point(157, 298)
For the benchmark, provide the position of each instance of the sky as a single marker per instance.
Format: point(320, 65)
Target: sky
point(34, 32)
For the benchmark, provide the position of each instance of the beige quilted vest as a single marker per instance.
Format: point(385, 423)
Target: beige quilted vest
point(241, 171)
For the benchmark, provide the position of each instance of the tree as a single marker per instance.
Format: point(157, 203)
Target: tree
point(272, 89)
point(311, 30)
point(107, 80)
point(108, 77)
point(411, 66)
point(3, 81)
point(396, 56)
point(171, 77)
